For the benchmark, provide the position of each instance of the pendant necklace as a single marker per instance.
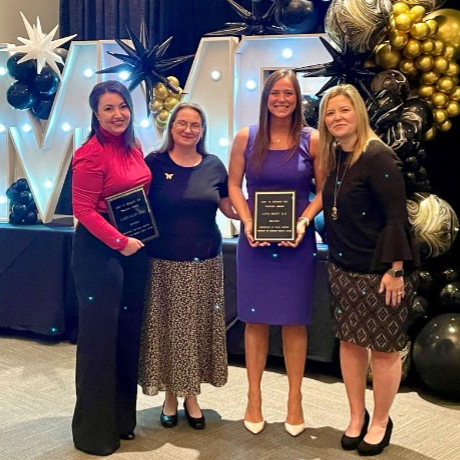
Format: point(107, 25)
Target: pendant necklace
point(338, 186)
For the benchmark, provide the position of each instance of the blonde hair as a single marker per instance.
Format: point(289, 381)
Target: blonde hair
point(327, 142)
point(262, 140)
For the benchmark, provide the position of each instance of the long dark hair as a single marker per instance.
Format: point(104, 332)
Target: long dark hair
point(167, 143)
point(262, 140)
point(111, 86)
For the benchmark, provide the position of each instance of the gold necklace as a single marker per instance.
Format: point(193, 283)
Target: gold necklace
point(337, 187)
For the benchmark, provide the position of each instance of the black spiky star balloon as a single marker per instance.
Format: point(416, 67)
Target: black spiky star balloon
point(345, 67)
point(255, 23)
point(145, 64)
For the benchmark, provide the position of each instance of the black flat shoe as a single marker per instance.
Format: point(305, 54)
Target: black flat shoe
point(127, 436)
point(366, 450)
point(168, 421)
point(351, 442)
point(197, 423)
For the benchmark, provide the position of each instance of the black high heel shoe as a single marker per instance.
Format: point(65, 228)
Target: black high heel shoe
point(366, 450)
point(197, 423)
point(168, 421)
point(351, 442)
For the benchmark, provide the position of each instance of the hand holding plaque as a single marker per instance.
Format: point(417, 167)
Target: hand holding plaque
point(274, 216)
point(131, 215)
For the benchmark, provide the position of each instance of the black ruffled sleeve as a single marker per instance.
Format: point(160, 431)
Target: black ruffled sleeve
point(396, 241)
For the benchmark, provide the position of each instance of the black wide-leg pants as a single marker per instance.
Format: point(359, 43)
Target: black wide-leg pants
point(110, 290)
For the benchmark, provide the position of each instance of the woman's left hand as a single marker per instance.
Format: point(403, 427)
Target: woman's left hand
point(301, 227)
point(393, 287)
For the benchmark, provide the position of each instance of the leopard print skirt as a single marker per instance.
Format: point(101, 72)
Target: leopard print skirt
point(360, 315)
point(183, 341)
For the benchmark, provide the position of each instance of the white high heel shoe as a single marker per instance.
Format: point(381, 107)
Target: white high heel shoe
point(254, 427)
point(294, 430)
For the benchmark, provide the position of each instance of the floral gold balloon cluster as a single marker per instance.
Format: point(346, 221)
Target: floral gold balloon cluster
point(421, 48)
point(163, 100)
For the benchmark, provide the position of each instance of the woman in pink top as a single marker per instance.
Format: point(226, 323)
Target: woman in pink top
point(109, 271)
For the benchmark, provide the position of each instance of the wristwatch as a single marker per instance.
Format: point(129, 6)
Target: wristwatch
point(396, 273)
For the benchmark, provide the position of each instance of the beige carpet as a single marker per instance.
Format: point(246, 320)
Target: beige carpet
point(37, 397)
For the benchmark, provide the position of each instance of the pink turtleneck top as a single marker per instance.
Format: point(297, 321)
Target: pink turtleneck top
point(102, 170)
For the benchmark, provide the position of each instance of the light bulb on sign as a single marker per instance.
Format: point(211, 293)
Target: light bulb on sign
point(287, 53)
point(88, 73)
point(251, 85)
point(216, 75)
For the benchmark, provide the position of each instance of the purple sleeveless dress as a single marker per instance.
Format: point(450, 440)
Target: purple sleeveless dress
point(275, 284)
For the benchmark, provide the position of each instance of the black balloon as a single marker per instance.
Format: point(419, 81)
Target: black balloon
point(24, 72)
point(410, 177)
point(391, 80)
point(22, 184)
point(421, 154)
point(24, 197)
point(403, 137)
point(420, 307)
point(297, 16)
point(411, 163)
point(421, 173)
point(47, 81)
point(417, 110)
point(12, 193)
point(310, 109)
point(388, 110)
point(42, 107)
point(19, 96)
point(450, 294)
point(436, 354)
point(30, 218)
point(425, 281)
point(449, 275)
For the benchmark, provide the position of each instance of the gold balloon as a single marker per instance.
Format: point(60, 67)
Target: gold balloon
point(441, 64)
point(398, 40)
point(449, 52)
point(161, 92)
point(429, 78)
point(449, 27)
point(172, 79)
point(163, 115)
point(387, 57)
point(430, 134)
point(420, 31)
point(400, 8)
point(159, 124)
point(427, 46)
point(424, 62)
point(439, 100)
point(403, 22)
point(455, 94)
point(438, 47)
point(440, 116)
point(170, 103)
point(433, 25)
point(156, 105)
point(453, 109)
point(445, 84)
point(426, 91)
point(452, 70)
point(412, 49)
point(407, 66)
point(455, 80)
point(417, 12)
point(445, 126)
point(176, 95)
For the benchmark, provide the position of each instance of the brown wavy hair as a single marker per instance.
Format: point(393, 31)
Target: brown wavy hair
point(262, 140)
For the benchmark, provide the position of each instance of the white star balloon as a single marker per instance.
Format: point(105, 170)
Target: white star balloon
point(40, 46)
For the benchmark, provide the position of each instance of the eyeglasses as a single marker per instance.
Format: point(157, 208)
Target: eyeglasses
point(182, 124)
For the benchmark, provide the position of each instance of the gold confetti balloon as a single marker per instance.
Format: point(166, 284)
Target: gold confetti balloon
point(387, 57)
point(439, 99)
point(424, 62)
point(449, 27)
point(434, 222)
point(445, 84)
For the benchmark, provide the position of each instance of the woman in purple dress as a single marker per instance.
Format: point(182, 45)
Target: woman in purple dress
point(275, 281)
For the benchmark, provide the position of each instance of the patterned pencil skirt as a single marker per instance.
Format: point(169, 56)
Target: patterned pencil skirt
point(183, 342)
point(360, 315)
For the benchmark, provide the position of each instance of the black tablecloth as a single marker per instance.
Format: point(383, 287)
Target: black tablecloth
point(36, 286)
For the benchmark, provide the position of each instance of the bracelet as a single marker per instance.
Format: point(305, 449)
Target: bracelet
point(304, 219)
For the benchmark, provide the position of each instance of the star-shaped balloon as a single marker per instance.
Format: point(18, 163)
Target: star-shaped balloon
point(40, 46)
point(255, 23)
point(345, 67)
point(145, 64)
